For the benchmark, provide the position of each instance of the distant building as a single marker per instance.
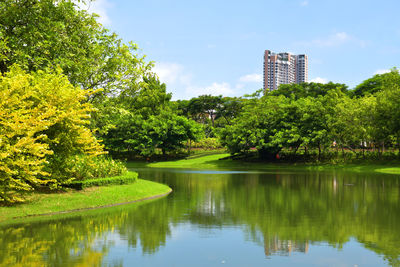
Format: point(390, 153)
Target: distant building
point(284, 68)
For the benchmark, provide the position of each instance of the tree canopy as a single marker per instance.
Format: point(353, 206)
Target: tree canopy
point(43, 122)
point(376, 83)
point(47, 34)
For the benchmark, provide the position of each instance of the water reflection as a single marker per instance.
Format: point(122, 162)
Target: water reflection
point(282, 212)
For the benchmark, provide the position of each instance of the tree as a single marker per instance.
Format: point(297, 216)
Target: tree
point(261, 125)
point(138, 122)
point(169, 131)
point(229, 109)
point(49, 33)
point(376, 83)
point(204, 107)
point(388, 107)
point(43, 122)
point(148, 98)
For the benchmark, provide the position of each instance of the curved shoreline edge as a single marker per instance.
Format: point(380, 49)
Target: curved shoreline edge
point(43, 205)
point(93, 208)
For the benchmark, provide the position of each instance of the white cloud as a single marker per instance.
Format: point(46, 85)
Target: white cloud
point(382, 71)
point(319, 80)
point(215, 88)
point(172, 73)
point(335, 39)
point(98, 7)
point(304, 3)
point(180, 82)
point(251, 78)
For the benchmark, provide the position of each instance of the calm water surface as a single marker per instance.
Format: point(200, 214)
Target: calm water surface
point(226, 218)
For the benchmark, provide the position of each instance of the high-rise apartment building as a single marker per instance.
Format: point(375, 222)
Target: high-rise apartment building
point(284, 68)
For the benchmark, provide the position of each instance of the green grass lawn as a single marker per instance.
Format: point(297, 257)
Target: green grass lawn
point(393, 170)
point(216, 161)
point(198, 162)
point(40, 203)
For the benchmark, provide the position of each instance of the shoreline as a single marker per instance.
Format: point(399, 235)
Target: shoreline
point(216, 162)
point(47, 205)
point(94, 208)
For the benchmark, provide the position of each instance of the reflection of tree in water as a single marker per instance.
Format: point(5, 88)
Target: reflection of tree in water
point(292, 211)
point(55, 244)
point(283, 212)
point(322, 208)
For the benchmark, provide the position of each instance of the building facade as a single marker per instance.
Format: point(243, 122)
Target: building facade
point(284, 68)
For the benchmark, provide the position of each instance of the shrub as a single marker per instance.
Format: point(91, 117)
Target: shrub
point(129, 177)
point(43, 121)
point(84, 167)
point(207, 143)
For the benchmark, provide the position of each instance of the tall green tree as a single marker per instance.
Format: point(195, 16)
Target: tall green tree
point(229, 109)
point(43, 122)
point(45, 34)
point(142, 120)
point(376, 83)
point(204, 107)
point(388, 108)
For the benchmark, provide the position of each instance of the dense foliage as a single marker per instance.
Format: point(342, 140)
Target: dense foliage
point(144, 122)
point(129, 177)
point(43, 124)
point(213, 112)
point(49, 33)
point(49, 126)
point(321, 117)
point(67, 82)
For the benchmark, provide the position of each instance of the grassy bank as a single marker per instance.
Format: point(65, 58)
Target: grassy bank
point(71, 200)
point(217, 161)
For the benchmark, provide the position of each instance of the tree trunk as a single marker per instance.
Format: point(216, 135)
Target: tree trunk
point(319, 151)
point(297, 147)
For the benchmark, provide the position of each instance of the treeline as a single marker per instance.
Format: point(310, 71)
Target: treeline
point(320, 121)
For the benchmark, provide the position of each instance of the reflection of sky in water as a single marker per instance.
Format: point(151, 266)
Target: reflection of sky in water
point(193, 246)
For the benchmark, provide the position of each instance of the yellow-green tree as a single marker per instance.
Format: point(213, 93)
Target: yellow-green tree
point(42, 117)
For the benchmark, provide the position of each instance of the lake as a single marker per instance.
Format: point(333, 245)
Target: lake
point(225, 218)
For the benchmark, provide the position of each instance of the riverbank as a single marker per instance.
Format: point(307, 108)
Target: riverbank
point(220, 161)
point(90, 198)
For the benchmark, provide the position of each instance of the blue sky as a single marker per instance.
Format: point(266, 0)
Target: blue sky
point(216, 47)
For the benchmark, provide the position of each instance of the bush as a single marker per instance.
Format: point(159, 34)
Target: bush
point(207, 143)
point(43, 125)
point(128, 178)
point(84, 167)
